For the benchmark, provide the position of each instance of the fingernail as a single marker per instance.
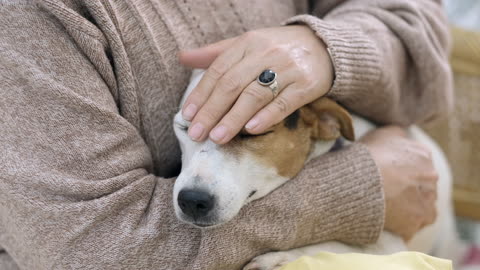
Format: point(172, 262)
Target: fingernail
point(253, 123)
point(189, 112)
point(196, 131)
point(218, 133)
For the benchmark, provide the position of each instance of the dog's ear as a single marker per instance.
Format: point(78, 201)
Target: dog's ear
point(328, 120)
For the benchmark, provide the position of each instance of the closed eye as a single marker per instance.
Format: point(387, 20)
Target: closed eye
point(247, 135)
point(181, 126)
point(180, 123)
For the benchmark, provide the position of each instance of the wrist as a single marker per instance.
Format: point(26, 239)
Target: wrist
point(325, 57)
point(355, 56)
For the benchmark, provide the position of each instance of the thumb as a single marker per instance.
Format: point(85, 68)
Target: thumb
point(204, 56)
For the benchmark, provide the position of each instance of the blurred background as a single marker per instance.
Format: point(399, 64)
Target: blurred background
point(459, 133)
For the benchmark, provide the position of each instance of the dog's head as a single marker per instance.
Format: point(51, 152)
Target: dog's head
point(217, 180)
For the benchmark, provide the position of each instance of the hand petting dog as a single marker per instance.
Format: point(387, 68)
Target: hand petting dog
point(229, 98)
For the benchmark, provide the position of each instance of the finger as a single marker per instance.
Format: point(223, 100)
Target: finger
point(428, 214)
point(202, 91)
point(251, 100)
point(426, 196)
point(227, 90)
point(290, 99)
point(204, 56)
point(431, 217)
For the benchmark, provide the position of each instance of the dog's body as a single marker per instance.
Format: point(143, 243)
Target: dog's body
point(216, 181)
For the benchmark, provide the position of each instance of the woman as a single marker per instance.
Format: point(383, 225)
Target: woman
point(89, 89)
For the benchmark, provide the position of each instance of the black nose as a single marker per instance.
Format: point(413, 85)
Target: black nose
point(195, 203)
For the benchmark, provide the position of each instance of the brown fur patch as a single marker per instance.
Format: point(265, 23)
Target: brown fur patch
point(287, 145)
point(283, 148)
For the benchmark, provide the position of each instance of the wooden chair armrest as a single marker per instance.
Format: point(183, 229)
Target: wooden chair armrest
point(467, 203)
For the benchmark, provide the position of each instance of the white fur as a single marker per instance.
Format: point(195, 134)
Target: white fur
point(320, 148)
point(232, 178)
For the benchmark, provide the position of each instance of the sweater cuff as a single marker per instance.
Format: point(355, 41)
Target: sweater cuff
point(354, 55)
point(356, 203)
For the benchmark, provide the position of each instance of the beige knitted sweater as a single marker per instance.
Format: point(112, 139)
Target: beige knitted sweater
point(88, 89)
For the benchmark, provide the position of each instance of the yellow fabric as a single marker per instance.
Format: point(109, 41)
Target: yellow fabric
point(465, 56)
point(356, 261)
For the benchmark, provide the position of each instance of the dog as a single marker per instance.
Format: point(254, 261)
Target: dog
point(215, 181)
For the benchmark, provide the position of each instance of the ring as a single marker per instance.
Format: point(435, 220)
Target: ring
point(269, 78)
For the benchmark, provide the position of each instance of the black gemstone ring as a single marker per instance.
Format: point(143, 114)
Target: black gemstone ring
point(269, 78)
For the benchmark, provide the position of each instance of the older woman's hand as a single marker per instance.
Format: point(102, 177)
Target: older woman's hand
point(409, 180)
point(228, 97)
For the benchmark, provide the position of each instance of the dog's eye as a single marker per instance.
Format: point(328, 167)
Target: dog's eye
point(246, 135)
point(182, 127)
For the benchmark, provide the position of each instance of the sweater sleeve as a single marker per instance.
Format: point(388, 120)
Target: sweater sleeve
point(77, 188)
point(390, 57)
point(338, 196)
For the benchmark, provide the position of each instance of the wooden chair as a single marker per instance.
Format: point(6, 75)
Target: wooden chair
point(459, 133)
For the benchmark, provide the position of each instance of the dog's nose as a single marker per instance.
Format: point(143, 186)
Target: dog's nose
point(195, 203)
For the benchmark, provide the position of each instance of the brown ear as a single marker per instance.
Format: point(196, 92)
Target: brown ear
point(329, 120)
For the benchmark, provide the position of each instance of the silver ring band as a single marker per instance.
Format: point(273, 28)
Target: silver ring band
point(274, 88)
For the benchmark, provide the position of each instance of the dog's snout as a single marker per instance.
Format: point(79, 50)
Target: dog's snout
point(195, 203)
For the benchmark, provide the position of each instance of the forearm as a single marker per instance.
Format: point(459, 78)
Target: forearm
point(76, 185)
point(76, 188)
point(129, 227)
point(338, 196)
point(390, 57)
